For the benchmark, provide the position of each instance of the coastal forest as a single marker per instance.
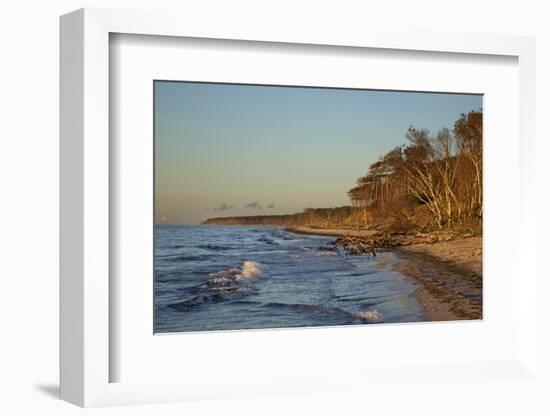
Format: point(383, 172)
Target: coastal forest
point(433, 181)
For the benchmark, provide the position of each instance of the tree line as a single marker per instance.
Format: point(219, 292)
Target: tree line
point(322, 217)
point(433, 181)
point(441, 172)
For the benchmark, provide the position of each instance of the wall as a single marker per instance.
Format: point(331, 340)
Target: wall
point(29, 207)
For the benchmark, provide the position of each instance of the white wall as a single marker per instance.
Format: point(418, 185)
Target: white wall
point(29, 205)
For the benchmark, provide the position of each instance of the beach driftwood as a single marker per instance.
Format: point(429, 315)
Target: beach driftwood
point(354, 245)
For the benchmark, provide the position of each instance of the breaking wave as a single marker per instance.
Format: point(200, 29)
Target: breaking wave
point(371, 316)
point(222, 286)
point(248, 270)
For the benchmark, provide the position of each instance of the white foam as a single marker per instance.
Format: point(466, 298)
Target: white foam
point(249, 269)
point(370, 315)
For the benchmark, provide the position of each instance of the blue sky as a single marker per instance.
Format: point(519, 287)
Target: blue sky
point(225, 150)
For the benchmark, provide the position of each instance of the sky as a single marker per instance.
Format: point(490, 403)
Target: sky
point(229, 149)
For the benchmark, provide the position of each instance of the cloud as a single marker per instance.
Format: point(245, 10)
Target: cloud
point(253, 205)
point(271, 206)
point(223, 207)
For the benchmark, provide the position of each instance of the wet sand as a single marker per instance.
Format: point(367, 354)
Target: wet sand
point(450, 275)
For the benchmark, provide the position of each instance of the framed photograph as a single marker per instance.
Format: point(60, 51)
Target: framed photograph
point(264, 218)
point(268, 211)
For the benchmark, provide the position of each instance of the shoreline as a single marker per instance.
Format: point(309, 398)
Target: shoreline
point(449, 289)
point(331, 232)
point(447, 268)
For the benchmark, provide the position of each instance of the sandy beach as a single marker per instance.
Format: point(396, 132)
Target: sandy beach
point(335, 232)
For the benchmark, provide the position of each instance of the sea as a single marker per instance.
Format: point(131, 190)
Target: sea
point(224, 278)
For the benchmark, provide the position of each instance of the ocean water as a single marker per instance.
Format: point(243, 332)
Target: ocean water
point(239, 277)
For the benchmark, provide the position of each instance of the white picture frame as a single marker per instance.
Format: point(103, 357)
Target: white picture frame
point(85, 211)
